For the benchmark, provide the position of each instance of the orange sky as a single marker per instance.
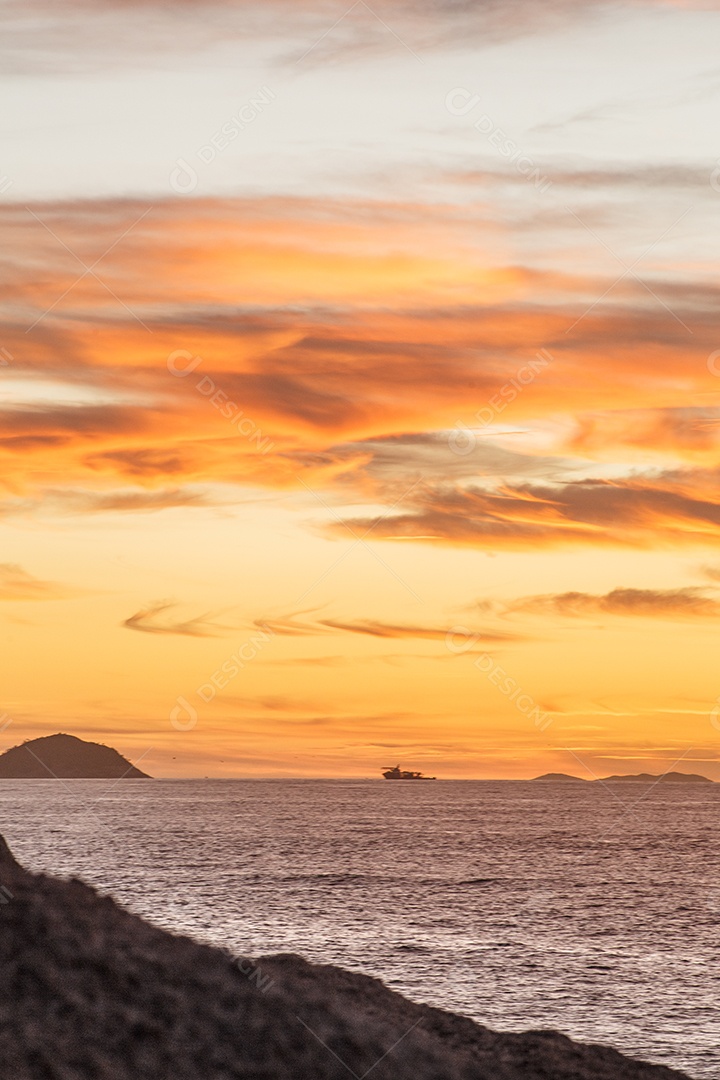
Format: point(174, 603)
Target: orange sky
point(306, 482)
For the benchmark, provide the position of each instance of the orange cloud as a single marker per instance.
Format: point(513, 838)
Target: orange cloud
point(278, 343)
point(691, 432)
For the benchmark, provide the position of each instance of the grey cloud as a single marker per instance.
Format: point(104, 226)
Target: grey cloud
point(680, 603)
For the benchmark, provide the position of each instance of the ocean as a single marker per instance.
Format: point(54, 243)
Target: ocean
point(594, 910)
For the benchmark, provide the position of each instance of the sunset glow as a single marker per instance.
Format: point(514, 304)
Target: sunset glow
point(288, 453)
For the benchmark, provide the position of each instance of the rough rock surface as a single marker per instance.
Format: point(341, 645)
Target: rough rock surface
point(90, 992)
point(67, 757)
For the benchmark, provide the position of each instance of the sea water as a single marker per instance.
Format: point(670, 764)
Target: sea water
point(592, 909)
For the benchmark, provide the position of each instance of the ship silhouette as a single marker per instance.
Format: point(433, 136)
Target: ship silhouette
point(396, 773)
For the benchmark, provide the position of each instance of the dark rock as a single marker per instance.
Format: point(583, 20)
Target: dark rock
point(90, 992)
point(6, 856)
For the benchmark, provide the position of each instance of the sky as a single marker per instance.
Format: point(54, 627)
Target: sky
point(360, 385)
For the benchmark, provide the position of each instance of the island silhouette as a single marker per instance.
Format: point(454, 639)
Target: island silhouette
point(633, 778)
point(68, 758)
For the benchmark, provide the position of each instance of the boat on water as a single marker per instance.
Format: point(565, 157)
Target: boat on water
point(396, 773)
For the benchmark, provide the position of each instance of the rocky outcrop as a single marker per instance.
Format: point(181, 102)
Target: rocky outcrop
point(90, 992)
point(66, 757)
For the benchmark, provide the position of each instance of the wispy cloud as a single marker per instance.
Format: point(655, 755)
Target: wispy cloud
point(155, 620)
point(373, 628)
point(292, 626)
point(17, 584)
point(85, 34)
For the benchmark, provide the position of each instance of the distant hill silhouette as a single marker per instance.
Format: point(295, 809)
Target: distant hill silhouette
point(665, 778)
point(66, 757)
point(560, 778)
point(636, 778)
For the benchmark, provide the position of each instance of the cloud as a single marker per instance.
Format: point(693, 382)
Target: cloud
point(294, 626)
point(66, 502)
point(377, 629)
point(308, 661)
point(692, 431)
point(17, 584)
point(368, 331)
point(81, 421)
point(670, 509)
point(141, 462)
point(153, 620)
point(635, 179)
point(681, 603)
point(81, 502)
point(89, 35)
point(377, 463)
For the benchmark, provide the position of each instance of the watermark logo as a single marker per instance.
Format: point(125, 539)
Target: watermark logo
point(184, 715)
point(511, 689)
point(234, 665)
point(715, 715)
point(461, 102)
point(6, 358)
point(5, 184)
point(459, 639)
point(462, 439)
point(184, 178)
point(713, 363)
point(181, 363)
point(715, 177)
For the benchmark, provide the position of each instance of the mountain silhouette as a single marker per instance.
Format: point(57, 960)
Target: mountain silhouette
point(665, 778)
point(66, 757)
point(634, 778)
